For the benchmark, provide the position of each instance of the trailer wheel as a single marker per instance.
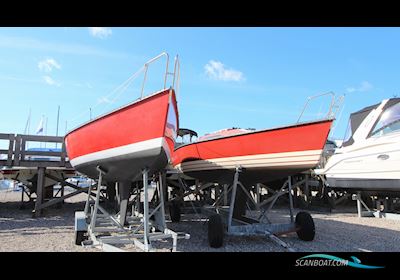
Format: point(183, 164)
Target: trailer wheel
point(215, 231)
point(175, 211)
point(79, 237)
point(306, 226)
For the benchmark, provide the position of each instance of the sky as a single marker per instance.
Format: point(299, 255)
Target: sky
point(229, 77)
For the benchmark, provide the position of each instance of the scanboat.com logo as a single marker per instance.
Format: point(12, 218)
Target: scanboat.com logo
point(329, 260)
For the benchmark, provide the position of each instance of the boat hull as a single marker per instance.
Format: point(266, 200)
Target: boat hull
point(374, 164)
point(264, 156)
point(374, 186)
point(128, 166)
point(126, 141)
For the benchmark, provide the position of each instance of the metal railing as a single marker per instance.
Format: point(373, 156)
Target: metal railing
point(175, 75)
point(177, 64)
point(330, 113)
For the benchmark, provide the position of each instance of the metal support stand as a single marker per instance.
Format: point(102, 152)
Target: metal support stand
point(225, 194)
point(371, 213)
point(146, 210)
point(139, 229)
point(258, 195)
point(249, 225)
point(40, 192)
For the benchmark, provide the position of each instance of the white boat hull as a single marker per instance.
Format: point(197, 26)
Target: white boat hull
point(375, 164)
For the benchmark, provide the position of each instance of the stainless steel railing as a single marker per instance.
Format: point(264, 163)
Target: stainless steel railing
point(330, 113)
point(175, 74)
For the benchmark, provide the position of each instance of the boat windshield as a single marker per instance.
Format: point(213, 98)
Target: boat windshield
point(185, 136)
point(388, 122)
point(172, 124)
point(349, 132)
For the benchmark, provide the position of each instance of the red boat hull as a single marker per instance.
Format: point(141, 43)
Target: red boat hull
point(264, 156)
point(125, 141)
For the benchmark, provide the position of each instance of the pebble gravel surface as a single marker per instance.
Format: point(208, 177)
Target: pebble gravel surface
point(340, 231)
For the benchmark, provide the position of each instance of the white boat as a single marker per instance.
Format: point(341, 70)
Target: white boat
point(369, 158)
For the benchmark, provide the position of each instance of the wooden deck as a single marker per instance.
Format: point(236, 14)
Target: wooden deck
point(18, 155)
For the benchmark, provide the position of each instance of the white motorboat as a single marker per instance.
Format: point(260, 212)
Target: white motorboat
point(369, 158)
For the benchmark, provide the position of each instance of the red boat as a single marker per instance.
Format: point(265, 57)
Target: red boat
point(264, 155)
point(136, 136)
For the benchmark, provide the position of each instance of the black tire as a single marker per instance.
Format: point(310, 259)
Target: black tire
point(215, 231)
point(175, 212)
point(79, 237)
point(306, 226)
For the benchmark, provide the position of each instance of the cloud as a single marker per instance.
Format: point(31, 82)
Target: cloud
point(48, 80)
point(104, 100)
point(48, 64)
point(100, 32)
point(216, 70)
point(364, 86)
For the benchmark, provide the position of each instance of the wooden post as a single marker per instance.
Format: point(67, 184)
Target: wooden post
point(17, 150)
point(10, 149)
point(40, 192)
point(63, 154)
point(23, 149)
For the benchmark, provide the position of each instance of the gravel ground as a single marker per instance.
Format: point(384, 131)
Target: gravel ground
point(340, 230)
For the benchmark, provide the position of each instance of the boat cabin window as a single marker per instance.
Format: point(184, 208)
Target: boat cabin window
point(389, 121)
point(348, 134)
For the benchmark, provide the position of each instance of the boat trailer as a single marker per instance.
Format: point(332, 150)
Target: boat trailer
point(231, 217)
point(108, 232)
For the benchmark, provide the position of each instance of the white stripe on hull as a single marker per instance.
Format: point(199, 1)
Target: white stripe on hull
point(123, 151)
point(290, 159)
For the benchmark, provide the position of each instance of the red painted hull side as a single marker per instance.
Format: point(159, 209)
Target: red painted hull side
point(302, 137)
point(140, 121)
